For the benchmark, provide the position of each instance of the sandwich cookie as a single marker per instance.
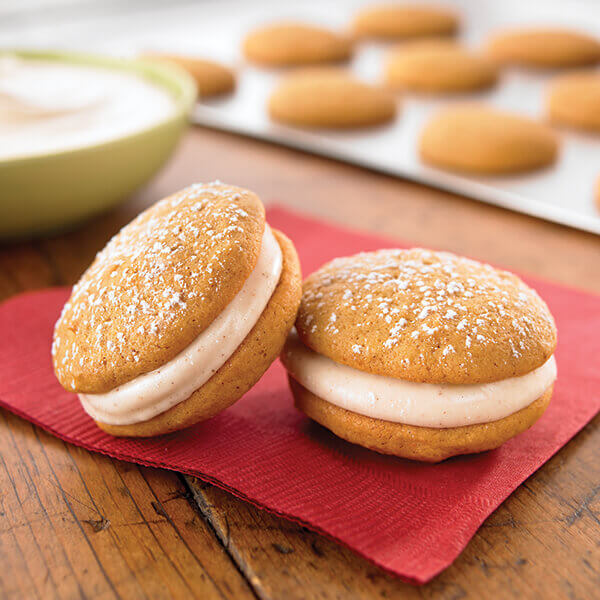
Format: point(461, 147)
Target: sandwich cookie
point(212, 78)
point(421, 354)
point(288, 44)
point(180, 314)
point(329, 98)
point(479, 139)
point(438, 67)
point(398, 21)
point(574, 101)
point(544, 48)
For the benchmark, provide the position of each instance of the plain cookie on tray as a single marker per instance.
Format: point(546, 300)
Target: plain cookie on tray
point(574, 100)
point(289, 43)
point(212, 78)
point(329, 98)
point(438, 66)
point(421, 354)
point(398, 21)
point(544, 48)
point(477, 139)
point(180, 314)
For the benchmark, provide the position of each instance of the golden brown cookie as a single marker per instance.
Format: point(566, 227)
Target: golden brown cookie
point(396, 21)
point(421, 354)
point(438, 66)
point(288, 44)
point(479, 139)
point(329, 98)
point(417, 443)
point(212, 78)
point(574, 101)
point(163, 281)
point(544, 48)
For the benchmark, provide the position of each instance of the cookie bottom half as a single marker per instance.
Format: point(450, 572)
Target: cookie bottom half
point(244, 367)
point(418, 443)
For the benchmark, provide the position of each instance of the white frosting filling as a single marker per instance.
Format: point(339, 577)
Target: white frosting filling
point(51, 106)
point(155, 392)
point(421, 404)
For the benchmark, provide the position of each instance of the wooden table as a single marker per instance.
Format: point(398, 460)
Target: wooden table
point(80, 525)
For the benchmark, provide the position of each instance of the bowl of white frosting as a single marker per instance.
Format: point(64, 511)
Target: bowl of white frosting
point(80, 133)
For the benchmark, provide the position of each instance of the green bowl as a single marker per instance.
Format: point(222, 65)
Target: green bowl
point(48, 192)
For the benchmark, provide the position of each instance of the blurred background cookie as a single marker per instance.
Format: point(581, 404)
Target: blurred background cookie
point(545, 48)
point(290, 43)
point(574, 100)
point(212, 78)
point(438, 66)
point(396, 21)
point(329, 98)
point(475, 138)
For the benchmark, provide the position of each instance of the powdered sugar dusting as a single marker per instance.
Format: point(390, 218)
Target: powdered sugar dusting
point(423, 308)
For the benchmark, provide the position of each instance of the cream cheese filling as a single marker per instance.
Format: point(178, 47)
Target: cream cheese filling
point(51, 106)
point(155, 392)
point(420, 404)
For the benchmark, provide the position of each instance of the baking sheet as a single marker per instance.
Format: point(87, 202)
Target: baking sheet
point(563, 193)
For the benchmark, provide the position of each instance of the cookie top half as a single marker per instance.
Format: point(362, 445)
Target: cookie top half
point(160, 282)
point(425, 316)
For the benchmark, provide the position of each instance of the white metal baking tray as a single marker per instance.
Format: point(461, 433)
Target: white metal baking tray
point(563, 193)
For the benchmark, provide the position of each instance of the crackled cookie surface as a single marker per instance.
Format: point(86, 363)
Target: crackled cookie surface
point(417, 344)
point(193, 290)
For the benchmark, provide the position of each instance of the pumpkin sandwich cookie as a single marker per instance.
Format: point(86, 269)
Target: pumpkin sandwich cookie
point(291, 44)
point(330, 98)
point(544, 48)
point(477, 139)
point(421, 354)
point(438, 67)
point(180, 314)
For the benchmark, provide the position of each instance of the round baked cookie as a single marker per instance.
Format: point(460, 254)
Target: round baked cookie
point(289, 43)
point(397, 21)
point(438, 66)
point(329, 98)
point(574, 101)
point(180, 314)
point(479, 139)
point(544, 48)
point(212, 78)
point(421, 354)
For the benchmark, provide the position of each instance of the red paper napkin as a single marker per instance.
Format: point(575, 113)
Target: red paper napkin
point(412, 519)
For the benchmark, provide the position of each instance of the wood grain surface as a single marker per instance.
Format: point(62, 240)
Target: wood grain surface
point(80, 525)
